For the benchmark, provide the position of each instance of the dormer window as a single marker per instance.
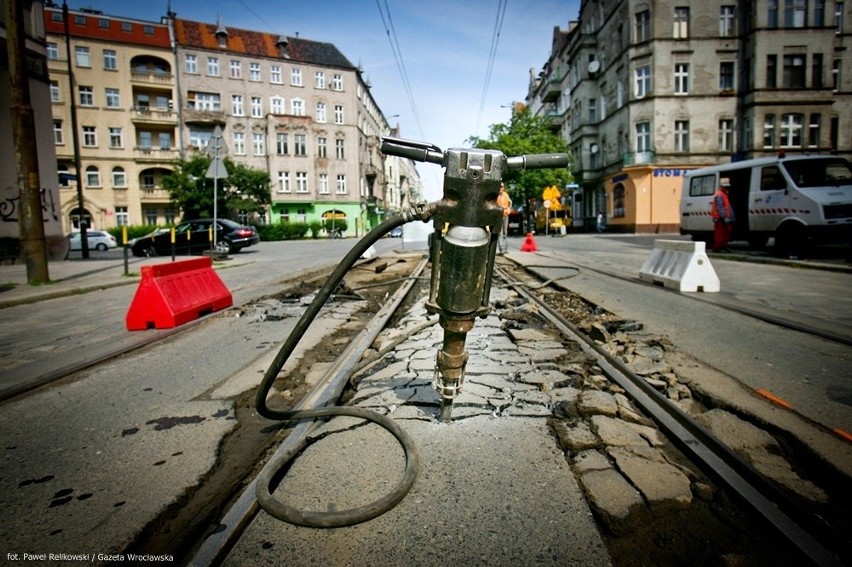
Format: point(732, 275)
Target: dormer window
point(222, 35)
point(282, 44)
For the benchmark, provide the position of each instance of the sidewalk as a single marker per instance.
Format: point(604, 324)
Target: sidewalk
point(69, 277)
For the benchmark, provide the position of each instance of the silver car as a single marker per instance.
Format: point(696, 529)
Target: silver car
point(98, 240)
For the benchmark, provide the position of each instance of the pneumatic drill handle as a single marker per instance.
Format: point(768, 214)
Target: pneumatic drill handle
point(538, 161)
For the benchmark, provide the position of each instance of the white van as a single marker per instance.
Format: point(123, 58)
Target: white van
point(796, 199)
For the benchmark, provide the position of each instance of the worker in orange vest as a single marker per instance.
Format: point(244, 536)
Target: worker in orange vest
point(505, 203)
point(723, 216)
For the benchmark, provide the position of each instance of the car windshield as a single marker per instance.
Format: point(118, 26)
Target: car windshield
point(821, 172)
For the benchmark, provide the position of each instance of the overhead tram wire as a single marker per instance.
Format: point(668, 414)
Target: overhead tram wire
point(492, 56)
point(400, 63)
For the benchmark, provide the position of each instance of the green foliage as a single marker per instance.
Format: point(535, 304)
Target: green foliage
point(315, 228)
point(244, 190)
point(526, 134)
point(336, 224)
point(133, 231)
point(282, 231)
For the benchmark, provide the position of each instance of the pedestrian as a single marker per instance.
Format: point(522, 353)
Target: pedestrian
point(600, 222)
point(505, 203)
point(723, 216)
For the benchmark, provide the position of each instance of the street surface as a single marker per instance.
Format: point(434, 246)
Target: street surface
point(91, 460)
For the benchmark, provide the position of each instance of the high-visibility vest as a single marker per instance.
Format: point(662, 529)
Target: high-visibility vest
point(727, 212)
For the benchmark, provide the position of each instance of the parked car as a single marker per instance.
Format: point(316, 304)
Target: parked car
point(194, 237)
point(395, 232)
point(98, 240)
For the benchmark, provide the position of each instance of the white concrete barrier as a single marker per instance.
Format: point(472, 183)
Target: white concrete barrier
point(680, 265)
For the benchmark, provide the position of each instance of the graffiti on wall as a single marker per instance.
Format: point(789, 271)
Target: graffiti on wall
point(10, 205)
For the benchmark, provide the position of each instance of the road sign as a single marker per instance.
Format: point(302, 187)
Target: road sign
point(216, 145)
point(217, 169)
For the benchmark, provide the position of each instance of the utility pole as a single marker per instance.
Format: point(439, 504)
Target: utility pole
point(31, 219)
point(75, 137)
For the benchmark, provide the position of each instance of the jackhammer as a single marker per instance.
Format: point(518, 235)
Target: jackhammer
point(467, 228)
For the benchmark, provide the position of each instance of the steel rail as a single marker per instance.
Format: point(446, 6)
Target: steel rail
point(215, 547)
point(711, 455)
point(765, 317)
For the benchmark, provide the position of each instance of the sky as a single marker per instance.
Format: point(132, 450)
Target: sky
point(444, 46)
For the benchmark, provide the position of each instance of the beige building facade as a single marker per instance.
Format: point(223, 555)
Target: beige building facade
point(646, 90)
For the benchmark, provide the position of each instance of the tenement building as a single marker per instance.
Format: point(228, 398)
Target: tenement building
point(645, 90)
point(148, 93)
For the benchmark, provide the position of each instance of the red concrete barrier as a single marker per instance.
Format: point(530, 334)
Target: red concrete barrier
point(175, 293)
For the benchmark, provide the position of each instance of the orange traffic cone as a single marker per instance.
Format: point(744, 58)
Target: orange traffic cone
point(529, 244)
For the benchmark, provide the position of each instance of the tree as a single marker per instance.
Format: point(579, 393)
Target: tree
point(244, 190)
point(526, 134)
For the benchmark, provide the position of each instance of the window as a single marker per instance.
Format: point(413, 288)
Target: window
point(126, 26)
point(148, 180)
point(256, 107)
point(80, 20)
point(150, 216)
point(283, 181)
point(297, 107)
point(681, 23)
point(55, 95)
point(112, 98)
point(296, 77)
point(116, 140)
point(790, 135)
point(341, 184)
point(323, 184)
point(254, 71)
point(681, 77)
point(593, 111)
point(90, 137)
point(769, 131)
point(726, 75)
point(199, 138)
point(681, 136)
point(276, 105)
point(103, 23)
point(275, 74)
point(300, 145)
point(145, 140)
point(320, 115)
point(93, 176)
point(83, 57)
point(213, 66)
point(204, 101)
point(258, 141)
point(190, 63)
point(52, 51)
point(240, 143)
point(643, 26)
point(772, 13)
point(58, 137)
point(319, 80)
point(110, 60)
point(816, 71)
point(281, 144)
point(237, 105)
point(235, 69)
point(643, 137)
point(642, 82)
point(165, 139)
point(835, 75)
point(87, 96)
point(301, 182)
point(339, 145)
point(794, 72)
point(838, 17)
point(147, 29)
point(119, 178)
point(834, 132)
point(122, 217)
point(726, 21)
point(338, 114)
point(795, 13)
point(337, 82)
point(771, 71)
point(819, 13)
point(322, 147)
point(814, 130)
point(726, 135)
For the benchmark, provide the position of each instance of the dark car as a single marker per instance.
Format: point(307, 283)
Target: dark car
point(194, 237)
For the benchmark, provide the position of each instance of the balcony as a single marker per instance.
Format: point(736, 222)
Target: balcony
point(552, 89)
point(154, 154)
point(149, 115)
point(154, 194)
point(151, 77)
point(639, 158)
point(192, 116)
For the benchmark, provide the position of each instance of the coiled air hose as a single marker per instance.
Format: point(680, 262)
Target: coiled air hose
point(271, 471)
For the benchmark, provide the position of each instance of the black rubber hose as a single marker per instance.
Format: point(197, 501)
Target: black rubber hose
point(270, 472)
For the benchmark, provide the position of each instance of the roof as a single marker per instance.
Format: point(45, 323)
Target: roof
point(203, 36)
point(114, 29)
